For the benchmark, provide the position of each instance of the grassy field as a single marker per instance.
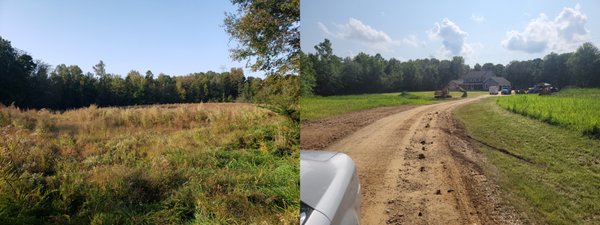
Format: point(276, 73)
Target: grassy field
point(578, 109)
point(169, 164)
point(557, 179)
point(317, 107)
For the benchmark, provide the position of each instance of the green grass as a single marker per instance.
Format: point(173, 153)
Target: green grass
point(316, 107)
point(577, 109)
point(176, 164)
point(560, 185)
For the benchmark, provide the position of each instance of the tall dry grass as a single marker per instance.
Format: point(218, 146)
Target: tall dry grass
point(167, 164)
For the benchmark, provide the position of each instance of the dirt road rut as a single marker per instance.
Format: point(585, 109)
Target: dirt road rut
point(416, 167)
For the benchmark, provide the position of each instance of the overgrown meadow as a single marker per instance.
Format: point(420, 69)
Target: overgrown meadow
point(166, 164)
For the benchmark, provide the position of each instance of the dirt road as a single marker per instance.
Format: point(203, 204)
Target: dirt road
point(417, 166)
point(318, 134)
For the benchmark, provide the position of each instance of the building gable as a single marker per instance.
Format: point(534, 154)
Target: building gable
point(480, 80)
point(478, 76)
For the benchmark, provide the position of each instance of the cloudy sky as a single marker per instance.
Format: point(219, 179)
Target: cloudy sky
point(479, 31)
point(172, 37)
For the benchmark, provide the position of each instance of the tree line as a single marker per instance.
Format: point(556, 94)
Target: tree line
point(29, 83)
point(323, 73)
point(580, 68)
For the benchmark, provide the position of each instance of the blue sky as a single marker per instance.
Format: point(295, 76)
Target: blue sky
point(172, 37)
point(480, 31)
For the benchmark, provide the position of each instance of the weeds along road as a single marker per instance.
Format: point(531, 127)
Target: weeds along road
point(417, 167)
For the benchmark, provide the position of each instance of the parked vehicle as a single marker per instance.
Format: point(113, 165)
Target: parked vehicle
point(493, 90)
point(329, 189)
point(542, 88)
point(505, 91)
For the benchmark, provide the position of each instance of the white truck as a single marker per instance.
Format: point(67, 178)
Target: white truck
point(493, 90)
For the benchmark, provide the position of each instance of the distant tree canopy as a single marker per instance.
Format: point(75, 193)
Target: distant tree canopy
point(29, 83)
point(364, 73)
point(324, 73)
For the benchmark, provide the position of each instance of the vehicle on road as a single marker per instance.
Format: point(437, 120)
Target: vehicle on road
point(493, 90)
point(329, 189)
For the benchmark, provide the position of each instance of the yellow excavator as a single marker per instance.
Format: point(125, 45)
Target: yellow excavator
point(444, 93)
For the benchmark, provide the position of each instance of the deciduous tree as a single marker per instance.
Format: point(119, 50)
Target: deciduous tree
point(268, 33)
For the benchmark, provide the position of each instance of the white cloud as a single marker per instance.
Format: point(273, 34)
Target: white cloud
point(411, 40)
point(478, 19)
point(324, 28)
point(375, 39)
point(571, 23)
point(357, 30)
point(453, 38)
point(533, 39)
point(565, 33)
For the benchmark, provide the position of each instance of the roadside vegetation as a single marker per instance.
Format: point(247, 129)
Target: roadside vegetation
point(577, 109)
point(549, 173)
point(164, 164)
point(316, 107)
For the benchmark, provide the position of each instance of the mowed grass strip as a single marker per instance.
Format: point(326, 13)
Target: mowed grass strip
point(316, 107)
point(578, 109)
point(173, 164)
point(561, 182)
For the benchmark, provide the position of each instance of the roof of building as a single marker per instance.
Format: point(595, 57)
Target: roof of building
point(479, 76)
point(459, 81)
point(500, 80)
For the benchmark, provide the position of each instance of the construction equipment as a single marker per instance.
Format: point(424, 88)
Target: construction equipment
point(464, 95)
point(546, 91)
point(545, 88)
point(443, 93)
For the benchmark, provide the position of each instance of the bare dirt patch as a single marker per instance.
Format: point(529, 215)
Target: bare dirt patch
point(318, 134)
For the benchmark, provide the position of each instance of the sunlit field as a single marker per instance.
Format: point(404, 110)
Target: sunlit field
point(315, 107)
point(166, 164)
point(556, 178)
point(578, 109)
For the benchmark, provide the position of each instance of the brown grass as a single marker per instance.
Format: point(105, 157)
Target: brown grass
point(165, 164)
